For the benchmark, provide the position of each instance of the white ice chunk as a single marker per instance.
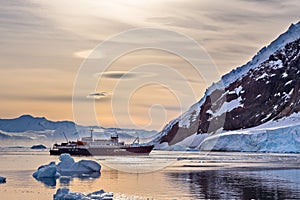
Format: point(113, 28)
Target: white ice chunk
point(67, 164)
point(65, 193)
point(46, 171)
point(66, 161)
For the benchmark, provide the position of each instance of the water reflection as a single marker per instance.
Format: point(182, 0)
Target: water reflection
point(66, 178)
point(49, 182)
point(241, 184)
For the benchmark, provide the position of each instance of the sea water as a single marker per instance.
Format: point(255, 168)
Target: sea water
point(162, 175)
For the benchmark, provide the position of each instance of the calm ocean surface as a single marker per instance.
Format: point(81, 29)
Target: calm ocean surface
point(170, 175)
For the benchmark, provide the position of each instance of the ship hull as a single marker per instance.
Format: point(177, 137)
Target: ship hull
point(123, 151)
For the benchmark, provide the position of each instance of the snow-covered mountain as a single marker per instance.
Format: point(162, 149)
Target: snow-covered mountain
point(266, 89)
point(30, 123)
point(28, 130)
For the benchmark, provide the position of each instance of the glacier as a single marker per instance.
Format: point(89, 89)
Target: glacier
point(277, 136)
point(281, 140)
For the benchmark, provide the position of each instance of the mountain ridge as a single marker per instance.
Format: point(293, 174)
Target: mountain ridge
point(229, 94)
point(30, 128)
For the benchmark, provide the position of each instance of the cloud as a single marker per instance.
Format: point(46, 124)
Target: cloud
point(122, 75)
point(103, 96)
point(89, 53)
point(187, 22)
point(98, 95)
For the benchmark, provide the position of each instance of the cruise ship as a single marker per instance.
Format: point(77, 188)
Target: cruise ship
point(88, 146)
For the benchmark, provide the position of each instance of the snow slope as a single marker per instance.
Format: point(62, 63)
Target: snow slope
point(263, 90)
point(292, 34)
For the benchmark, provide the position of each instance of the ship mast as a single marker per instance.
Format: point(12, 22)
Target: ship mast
point(65, 136)
point(91, 129)
point(136, 140)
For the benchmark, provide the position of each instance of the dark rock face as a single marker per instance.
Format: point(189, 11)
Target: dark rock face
point(269, 91)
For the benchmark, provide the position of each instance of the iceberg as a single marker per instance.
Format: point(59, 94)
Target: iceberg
point(65, 193)
point(2, 179)
point(67, 167)
point(46, 171)
point(47, 174)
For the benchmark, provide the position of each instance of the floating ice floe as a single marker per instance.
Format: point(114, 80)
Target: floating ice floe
point(46, 171)
point(65, 193)
point(67, 167)
point(2, 179)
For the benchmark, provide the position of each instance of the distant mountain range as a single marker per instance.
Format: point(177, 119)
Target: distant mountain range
point(29, 123)
point(32, 130)
point(232, 114)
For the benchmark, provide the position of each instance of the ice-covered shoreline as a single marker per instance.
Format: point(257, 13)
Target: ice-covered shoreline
point(277, 136)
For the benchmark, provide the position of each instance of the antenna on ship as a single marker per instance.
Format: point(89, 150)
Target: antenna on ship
point(92, 130)
point(65, 136)
point(136, 140)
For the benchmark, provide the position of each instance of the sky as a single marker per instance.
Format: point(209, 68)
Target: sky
point(44, 46)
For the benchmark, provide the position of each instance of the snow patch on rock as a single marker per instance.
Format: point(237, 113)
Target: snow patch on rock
point(226, 107)
point(188, 117)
